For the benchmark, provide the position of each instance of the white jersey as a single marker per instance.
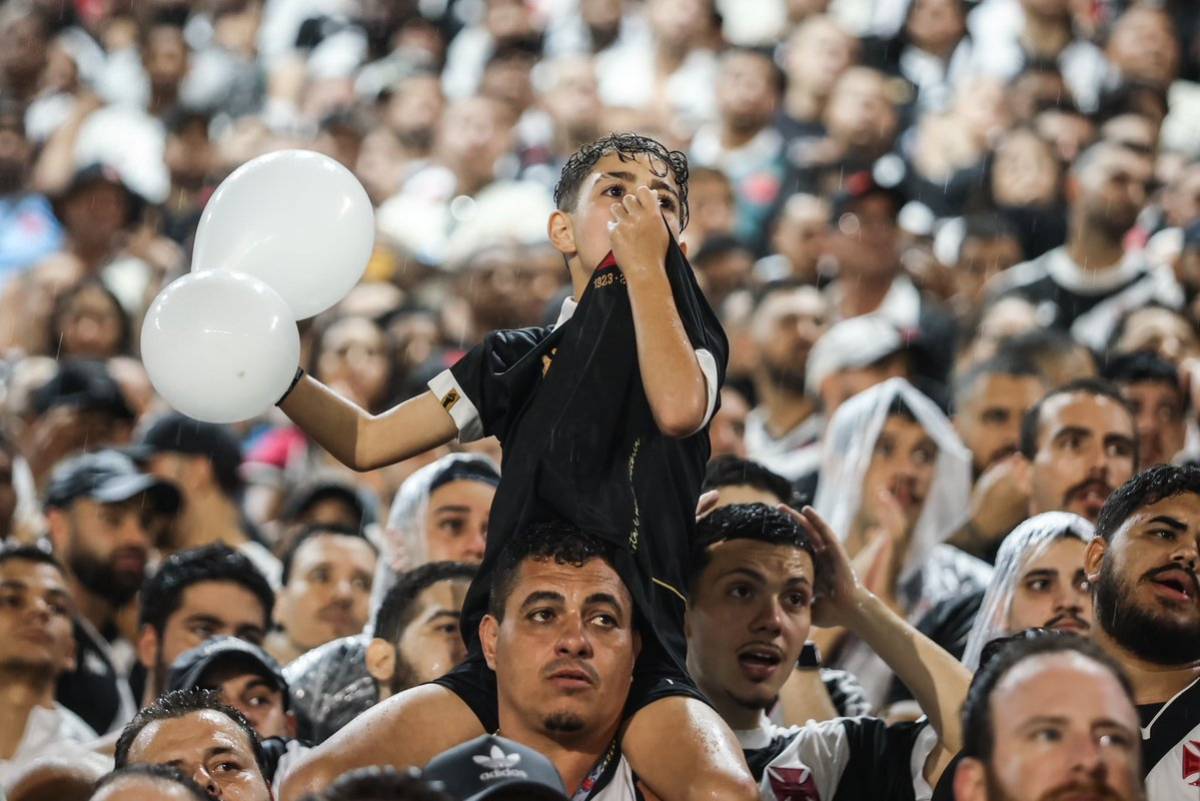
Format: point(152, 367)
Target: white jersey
point(1171, 746)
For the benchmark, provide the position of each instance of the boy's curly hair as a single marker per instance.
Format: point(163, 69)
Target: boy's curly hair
point(628, 146)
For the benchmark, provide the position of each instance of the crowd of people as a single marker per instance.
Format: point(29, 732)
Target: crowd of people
point(794, 400)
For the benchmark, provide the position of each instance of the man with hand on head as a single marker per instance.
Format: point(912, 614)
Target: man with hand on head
point(761, 576)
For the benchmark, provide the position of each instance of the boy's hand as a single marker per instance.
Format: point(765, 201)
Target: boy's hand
point(638, 234)
point(839, 593)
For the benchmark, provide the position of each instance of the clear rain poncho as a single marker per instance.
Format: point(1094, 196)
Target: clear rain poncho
point(1025, 543)
point(404, 541)
point(931, 571)
point(846, 455)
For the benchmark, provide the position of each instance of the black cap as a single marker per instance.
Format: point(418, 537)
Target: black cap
point(177, 433)
point(82, 384)
point(321, 488)
point(96, 173)
point(885, 177)
point(107, 476)
point(489, 765)
point(190, 667)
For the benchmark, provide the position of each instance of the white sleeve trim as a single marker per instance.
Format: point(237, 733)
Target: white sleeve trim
point(708, 366)
point(926, 741)
point(446, 389)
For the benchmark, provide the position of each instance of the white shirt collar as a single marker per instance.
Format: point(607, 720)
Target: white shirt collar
point(567, 311)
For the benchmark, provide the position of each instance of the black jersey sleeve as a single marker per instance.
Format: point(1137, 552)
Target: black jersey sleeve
point(487, 386)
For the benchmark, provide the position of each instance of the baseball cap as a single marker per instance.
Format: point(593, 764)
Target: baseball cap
point(850, 344)
point(177, 433)
point(489, 765)
point(85, 385)
point(107, 476)
point(190, 667)
point(324, 487)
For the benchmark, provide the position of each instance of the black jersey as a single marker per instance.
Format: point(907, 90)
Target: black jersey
point(844, 759)
point(1171, 746)
point(580, 442)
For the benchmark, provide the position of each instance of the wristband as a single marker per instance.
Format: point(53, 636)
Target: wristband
point(810, 657)
point(291, 386)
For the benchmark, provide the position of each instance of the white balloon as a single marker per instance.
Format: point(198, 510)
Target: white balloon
point(220, 346)
point(296, 219)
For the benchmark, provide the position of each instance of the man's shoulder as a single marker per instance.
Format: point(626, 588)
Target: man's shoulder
point(1023, 278)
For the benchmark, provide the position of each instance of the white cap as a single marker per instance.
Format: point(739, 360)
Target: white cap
point(851, 344)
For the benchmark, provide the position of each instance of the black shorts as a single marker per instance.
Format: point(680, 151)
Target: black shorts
point(653, 679)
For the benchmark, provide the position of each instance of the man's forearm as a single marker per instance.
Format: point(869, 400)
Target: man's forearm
point(671, 375)
point(936, 679)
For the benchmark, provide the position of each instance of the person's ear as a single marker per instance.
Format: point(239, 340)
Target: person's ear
point(381, 661)
point(60, 530)
point(970, 783)
point(1093, 558)
point(683, 246)
point(561, 231)
point(147, 647)
point(489, 633)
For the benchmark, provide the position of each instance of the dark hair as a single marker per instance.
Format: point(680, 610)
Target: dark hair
point(65, 299)
point(556, 540)
point(1010, 364)
point(978, 736)
point(398, 607)
point(29, 553)
point(987, 226)
point(381, 784)
point(734, 471)
point(899, 408)
point(719, 246)
point(1145, 489)
point(1040, 346)
point(178, 704)
point(1142, 366)
point(160, 773)
point(162, 593)
point(778, 76)
point(312, 531)
point(743, 521)
point(628, 146)
point(1032, 422)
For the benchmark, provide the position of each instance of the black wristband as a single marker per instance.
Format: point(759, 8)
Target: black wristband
point(810, 657)
point(291, 386)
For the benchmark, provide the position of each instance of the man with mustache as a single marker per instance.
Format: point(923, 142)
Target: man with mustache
point(1050, 718)
point(1039, 582)
point(1081, 441)
point(102, 513)
point(326, 592)
point(1143, 566)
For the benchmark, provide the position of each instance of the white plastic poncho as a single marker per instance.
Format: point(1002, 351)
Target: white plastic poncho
point(404, 542)
point(1025, 543)
point(846, 455)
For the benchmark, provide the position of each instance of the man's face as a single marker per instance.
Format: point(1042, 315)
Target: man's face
point(36, 632)
point(1147, 597)
point(989, 417)
point(748, 619)
point(208, 609)
point(456, 521)
point(801, 233)
point(613, 177)
point(565, 651)
point(727, 434)
point(1052, 591)
point(1112, 189)
point(108, 546)
point(785, 328)
point(432, 643)
point(859, 113)
point(257, 697)
point(328, 594)
point(746, 92)
point(979, 261)
point(1158, 410)
point(1085, 450)
point(210, 748)
point(865, 239)
point(1063, 728)
point(903, 466)
point(1144, 46)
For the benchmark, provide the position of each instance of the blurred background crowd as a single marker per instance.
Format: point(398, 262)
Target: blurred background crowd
point(987, 198)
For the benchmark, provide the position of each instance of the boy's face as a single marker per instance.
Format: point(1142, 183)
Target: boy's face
point(585, 243)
